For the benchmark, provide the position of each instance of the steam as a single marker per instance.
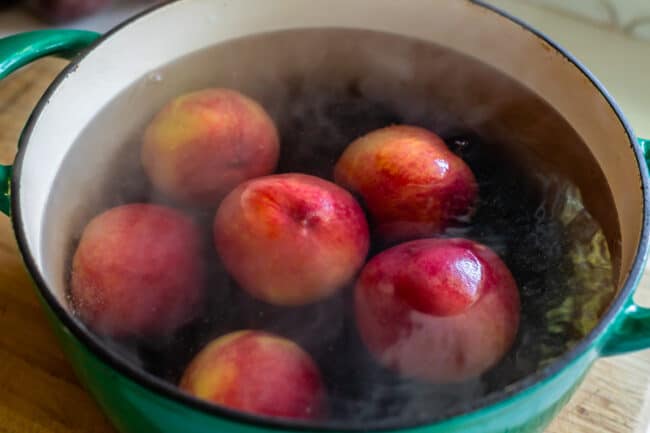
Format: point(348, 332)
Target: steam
point(325, 89)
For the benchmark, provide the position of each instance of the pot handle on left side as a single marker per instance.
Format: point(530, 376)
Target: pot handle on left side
point(632, 330)
point(21, 49)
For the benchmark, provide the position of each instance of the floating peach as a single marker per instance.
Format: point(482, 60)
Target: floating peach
point(138, 271)
point(441, 310)
point(203, 144)
point(291, 239)
point(412, 184)
point(259, 373)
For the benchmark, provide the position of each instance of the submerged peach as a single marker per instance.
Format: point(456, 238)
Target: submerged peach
point(138, 271)
point(412, 184)
point(259, 373)
point(203, 144)
point(442, 310)
point(291, 239)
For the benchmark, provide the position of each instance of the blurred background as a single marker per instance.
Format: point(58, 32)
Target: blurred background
point(628, 16)
point(98, 15)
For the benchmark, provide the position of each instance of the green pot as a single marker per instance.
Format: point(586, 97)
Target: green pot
point(608, 166)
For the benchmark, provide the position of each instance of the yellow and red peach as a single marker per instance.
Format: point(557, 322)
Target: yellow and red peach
point(203, 144)
point(441, 310)
point(291, 239)
point(412, 184)
point(258, 373)
point(138, 271)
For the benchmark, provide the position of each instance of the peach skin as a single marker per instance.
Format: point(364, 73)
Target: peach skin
point(138, 271)
point(291, 239)
point(441, 310)
point(411, 183)
point(203, 144)
point(258, 373)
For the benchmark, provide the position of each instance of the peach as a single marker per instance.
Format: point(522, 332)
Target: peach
point(259, 373)
point(203, 144)
point(441, 310)
point(291, 239)
point(411, 183)
point(138, 271)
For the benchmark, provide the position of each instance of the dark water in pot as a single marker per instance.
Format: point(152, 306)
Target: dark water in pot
point(324, 88)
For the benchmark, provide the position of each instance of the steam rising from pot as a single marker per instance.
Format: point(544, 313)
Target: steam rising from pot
point(325, 88)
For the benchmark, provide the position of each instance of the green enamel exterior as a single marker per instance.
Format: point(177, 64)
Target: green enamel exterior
point(645, 145)
point(632, 332)
point(5, 189)
point(19, 50)
point(134, 408)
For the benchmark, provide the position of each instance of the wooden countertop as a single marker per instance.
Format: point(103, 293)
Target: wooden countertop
point(40, 394)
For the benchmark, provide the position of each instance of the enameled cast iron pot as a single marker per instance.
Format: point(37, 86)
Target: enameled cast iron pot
point(103, 66)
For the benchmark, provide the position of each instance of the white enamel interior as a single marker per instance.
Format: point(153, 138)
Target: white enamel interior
point(186, 26)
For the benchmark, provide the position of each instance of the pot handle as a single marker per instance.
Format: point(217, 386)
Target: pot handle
point(632, 330)
point(645, 146)
point(21, 49)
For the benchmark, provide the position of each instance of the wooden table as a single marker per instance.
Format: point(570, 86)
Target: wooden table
point(40, 394)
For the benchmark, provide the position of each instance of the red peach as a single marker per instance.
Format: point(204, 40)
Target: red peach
point(441, 310)
point(412, 184)
point(291, 239)
point(138, 271)
point(203, 144)
point(259, 373)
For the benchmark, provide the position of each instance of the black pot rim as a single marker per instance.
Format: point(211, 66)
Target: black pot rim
point(165, 389)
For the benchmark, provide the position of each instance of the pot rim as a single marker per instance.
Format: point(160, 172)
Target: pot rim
point(167, 390)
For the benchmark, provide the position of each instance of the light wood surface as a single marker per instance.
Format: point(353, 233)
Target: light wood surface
point(40, 394)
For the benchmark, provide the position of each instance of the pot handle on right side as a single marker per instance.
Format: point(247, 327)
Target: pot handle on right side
point(645, 146)
point(632, 330)
point(21, 49)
